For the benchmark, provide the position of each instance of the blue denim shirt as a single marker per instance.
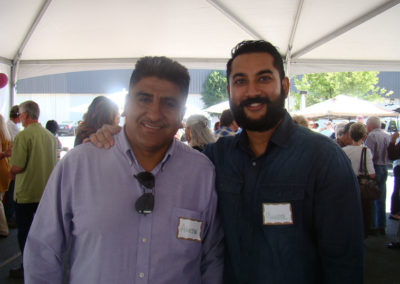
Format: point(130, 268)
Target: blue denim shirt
point(312, 174)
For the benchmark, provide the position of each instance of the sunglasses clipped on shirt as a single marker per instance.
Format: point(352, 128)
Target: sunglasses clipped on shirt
point(145, 203)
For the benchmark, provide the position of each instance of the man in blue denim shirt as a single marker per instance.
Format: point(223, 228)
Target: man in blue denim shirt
point(288, 197)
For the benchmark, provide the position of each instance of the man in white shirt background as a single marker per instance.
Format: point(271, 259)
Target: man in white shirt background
point(13, 129)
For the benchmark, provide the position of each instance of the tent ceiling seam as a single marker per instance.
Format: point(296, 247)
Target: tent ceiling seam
point(235, 19)
point(346, 28)
point(31, 30)
point(294, 27)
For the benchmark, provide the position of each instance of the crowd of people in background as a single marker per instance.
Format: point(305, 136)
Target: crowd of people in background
point(382, 150)
point(267, 171)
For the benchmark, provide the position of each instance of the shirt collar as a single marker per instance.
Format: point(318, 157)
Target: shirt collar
point(225, 128)
point(375, 130)
point(121, 141)
point(280, 137)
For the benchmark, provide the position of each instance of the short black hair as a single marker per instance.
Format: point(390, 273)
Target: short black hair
point(52, 126)
point(163, 68)
point(226, 118)
point(252, 46)
point(14, 111)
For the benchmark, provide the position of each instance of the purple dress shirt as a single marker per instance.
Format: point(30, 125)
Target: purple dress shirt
point(90, 201)
point(378, 141)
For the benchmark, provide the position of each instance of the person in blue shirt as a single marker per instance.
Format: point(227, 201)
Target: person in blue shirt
point(288, 197)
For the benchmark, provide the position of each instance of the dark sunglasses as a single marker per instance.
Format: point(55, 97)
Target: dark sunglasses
point(145, 203)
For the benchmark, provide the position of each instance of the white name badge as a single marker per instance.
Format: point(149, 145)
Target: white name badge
point(277, 214)
point(189, 229)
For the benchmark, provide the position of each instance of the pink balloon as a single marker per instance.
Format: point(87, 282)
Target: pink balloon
point(3, 80)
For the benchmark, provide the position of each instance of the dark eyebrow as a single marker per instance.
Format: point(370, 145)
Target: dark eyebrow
point(266, 71)
point(141, 93)
point(238, 75)
point(261, 72)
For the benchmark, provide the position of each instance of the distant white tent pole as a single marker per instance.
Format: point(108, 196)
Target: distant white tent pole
point(17, 56)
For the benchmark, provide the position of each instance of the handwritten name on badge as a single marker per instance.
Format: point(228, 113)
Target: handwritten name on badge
point(189, 229)
point(277, 214)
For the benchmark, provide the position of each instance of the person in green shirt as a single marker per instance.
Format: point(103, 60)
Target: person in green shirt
point(33, 157)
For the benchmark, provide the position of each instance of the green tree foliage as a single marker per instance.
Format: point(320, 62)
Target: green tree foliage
point(214, 88)
point(324, 86)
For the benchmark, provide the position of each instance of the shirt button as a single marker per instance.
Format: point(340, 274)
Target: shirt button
point(254, 164)
point(144, 240)
point(141, 274)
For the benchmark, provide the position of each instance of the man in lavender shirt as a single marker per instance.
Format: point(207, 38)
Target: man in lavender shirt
point(378, 141)
point(142, 212)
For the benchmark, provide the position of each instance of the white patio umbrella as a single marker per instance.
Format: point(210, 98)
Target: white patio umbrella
point(343, 106)
point(218, 108)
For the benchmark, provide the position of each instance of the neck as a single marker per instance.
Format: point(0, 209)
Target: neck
point(148, 158)
point(357, 143)
point(30, 121)
point(258, 141)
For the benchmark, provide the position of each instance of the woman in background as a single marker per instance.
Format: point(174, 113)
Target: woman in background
point(101, 111)
point(197, 132)
point(358, 133)
point(5, 152)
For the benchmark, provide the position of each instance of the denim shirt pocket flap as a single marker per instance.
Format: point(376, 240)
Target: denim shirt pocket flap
point(228, 184)
point(282, 192)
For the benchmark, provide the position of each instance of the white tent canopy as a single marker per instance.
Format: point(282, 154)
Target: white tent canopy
point(218, 108)
point(52, 36)
point(343, 106)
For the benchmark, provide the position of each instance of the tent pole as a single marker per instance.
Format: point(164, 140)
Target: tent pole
point(235, 19)
point(355, 23)
point(290, 46)
point(17, 57)
point(288, 75)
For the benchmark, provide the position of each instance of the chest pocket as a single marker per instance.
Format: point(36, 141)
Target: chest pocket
point(187, 232)
point(229, 191)
point(282, 192)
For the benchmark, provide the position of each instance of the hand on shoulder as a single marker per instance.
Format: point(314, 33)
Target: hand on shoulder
point(103, 136)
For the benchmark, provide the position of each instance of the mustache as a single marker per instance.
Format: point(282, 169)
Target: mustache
point(250, 101)
point(157, 123)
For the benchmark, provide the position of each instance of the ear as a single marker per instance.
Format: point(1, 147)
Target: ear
point(285, 86)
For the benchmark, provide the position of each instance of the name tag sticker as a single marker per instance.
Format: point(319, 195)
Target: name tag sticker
point(277, 214)
point(189, 229)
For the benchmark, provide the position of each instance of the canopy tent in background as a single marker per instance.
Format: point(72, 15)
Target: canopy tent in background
point(40, 37)
point(345, 107)
point(218, 108)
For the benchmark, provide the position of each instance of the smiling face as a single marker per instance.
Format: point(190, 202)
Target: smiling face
point(256, 92)
point(154, 112)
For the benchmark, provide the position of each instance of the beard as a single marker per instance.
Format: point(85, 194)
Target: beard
point(274, 113)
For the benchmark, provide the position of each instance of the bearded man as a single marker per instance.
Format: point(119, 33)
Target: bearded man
point(288, 197)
